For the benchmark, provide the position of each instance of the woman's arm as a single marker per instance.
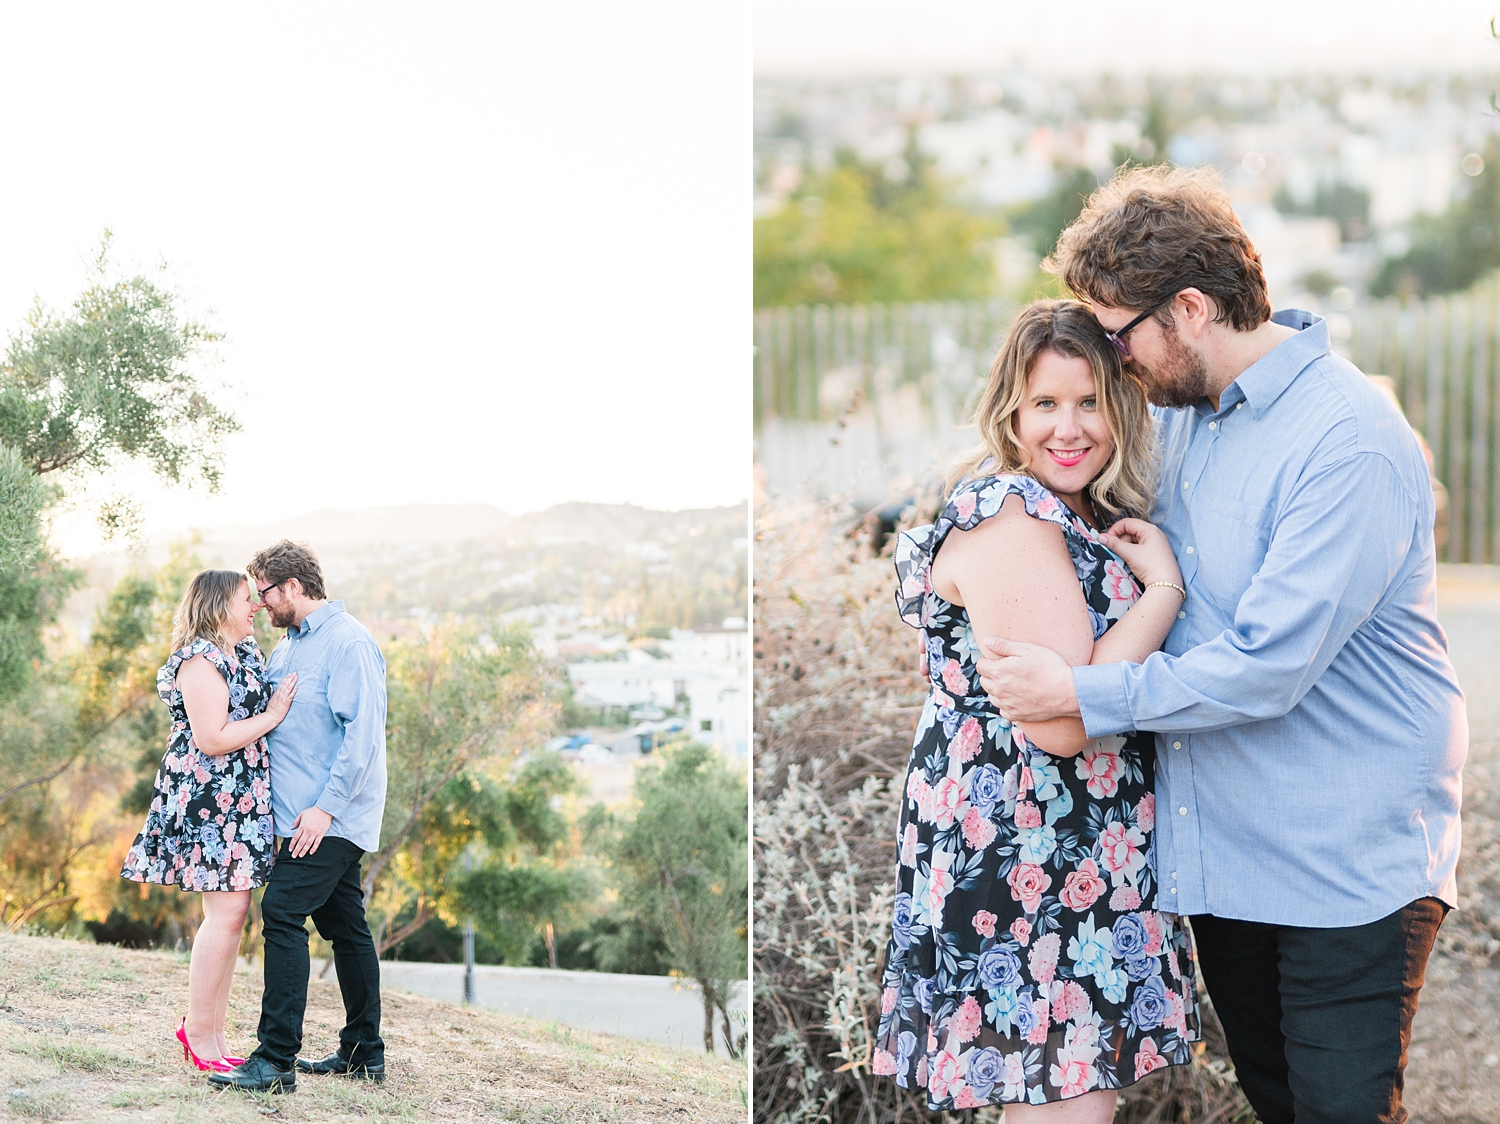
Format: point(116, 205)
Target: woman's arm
point(1015, 578)
point(205, 696)
point(1047, 607)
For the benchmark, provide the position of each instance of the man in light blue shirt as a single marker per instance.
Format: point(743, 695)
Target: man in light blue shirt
point(327, 798)
point(1310, 730)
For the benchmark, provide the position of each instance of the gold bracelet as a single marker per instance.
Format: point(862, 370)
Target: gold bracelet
point(1169, 585)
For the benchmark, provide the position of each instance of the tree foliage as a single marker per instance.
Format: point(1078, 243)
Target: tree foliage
point(1451, 251)
point(866, 232)
point(682, 866)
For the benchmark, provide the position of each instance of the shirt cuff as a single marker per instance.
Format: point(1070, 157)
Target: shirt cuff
point(333, 805)
point(1102, 703)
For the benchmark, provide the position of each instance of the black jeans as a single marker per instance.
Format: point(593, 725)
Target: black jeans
point(323, 885)
point(1318, 1020)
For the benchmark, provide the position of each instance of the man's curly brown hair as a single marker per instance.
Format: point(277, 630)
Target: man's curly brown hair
point(287, 560)
point(1151, 232)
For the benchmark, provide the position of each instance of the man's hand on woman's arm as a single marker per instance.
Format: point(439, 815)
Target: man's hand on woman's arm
point(1026, 682)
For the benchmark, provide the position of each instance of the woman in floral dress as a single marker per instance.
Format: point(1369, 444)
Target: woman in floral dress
point(209, 826)
point(1028, 963)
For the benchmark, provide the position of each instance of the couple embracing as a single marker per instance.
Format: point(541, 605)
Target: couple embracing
point(1229, 734)
point(294, 748)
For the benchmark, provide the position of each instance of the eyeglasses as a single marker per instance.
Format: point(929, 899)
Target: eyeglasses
point(1118, 338)
point(261, 593)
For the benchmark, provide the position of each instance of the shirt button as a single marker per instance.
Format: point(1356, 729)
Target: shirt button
point(1182, 811)
point(1182, 615)
point(1185, 485)
point(1174, 889)
point(1190, 550)
point(1239, 405)
point(1174, 876)
point(1213, 425)
point(1176, 745)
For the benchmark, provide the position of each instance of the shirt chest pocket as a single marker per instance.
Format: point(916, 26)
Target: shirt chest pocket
point(1230, 542)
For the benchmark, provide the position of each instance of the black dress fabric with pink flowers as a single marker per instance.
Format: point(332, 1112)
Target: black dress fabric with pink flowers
point(1028, 960)
point(209, 827)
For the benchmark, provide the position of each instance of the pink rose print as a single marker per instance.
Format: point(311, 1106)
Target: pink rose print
point(200, 774)
point(1038, 1033)
point(1118, 584)
point(954, 678)
point(1176, 1016)
point(969, 740)
point(1069, 1002)
point(945, 1076)
point(1083, 887)
point(1172, 965)
point(922, 1069)
point(1028, 882)
point(1148, 1059)
point(884, 1063)
point(1101, 769)
point(1125, 899)
point(225, 801)
point(965, 506)
point(1122, 851)
point(909, 846)
point(966, 1020)
point(979, 832)
point(984, 923)
point(1028, 814)
point(1043, 958)
point(1145, 812)
point(1020, 928)
point(947, 798)
point(1073, 1074)
point(887, 1001)
point(246, 803)
point(923, 797)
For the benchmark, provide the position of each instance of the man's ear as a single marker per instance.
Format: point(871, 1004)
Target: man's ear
point(1194, 310)
point(294, 583)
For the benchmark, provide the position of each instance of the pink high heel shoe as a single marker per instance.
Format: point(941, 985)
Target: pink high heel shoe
point(211, 1065)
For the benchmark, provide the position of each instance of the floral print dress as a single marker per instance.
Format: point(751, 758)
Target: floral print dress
point(1027, 961)
point(209, 826)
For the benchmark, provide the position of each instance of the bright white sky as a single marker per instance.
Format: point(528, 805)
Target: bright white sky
point(834, 38)
point(465, 253)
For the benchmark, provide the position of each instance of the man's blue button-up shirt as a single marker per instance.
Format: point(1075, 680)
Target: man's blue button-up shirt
point(330, 748)
point(1310, 730)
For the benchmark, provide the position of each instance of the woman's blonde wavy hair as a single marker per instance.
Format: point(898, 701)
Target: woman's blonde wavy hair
point(1127, 485)
point(204, 609)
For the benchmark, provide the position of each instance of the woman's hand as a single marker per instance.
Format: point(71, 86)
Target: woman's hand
point(281, 701)
point(1145, 549)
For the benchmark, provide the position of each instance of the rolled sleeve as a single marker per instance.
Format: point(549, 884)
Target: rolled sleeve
point(1103, 701)
point(356, 695)
point(1337, 544)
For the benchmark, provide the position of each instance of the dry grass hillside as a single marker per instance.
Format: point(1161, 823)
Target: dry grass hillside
point(86, 1034)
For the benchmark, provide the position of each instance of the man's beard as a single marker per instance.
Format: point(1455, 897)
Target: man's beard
point(1180, 380)
point(283, 617)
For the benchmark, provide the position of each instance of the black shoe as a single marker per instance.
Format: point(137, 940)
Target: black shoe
point(340, 1065)
point(257, 1075)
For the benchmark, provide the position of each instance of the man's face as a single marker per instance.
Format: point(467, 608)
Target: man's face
point(277, 604)
point(1173, 373)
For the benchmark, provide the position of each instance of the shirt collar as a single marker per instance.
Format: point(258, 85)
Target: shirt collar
point(1261, 383)
point(315, 618)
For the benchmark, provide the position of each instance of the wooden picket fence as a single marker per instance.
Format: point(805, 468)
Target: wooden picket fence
point(824, 367)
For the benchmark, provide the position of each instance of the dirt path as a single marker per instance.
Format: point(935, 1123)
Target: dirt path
point(86, 1034)
point(1454, 1074)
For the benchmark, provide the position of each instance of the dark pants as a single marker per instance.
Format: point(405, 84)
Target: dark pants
point(323, 885)
point(1318, 1020)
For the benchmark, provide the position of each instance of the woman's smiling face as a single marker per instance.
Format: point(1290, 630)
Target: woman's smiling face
point(1060, 427)
point(241, 620)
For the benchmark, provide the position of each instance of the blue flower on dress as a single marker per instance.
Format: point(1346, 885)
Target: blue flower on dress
point(923, 991)
point(999, 967)
point(901, 921)
point(1138, 968)
point(906, 1045)
point(1112, 984)
point(1025, 1015)
point(984, 1071)
point(1091, 950)
point(987, 789)
point(1150, 1004)
point(1130, 936)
